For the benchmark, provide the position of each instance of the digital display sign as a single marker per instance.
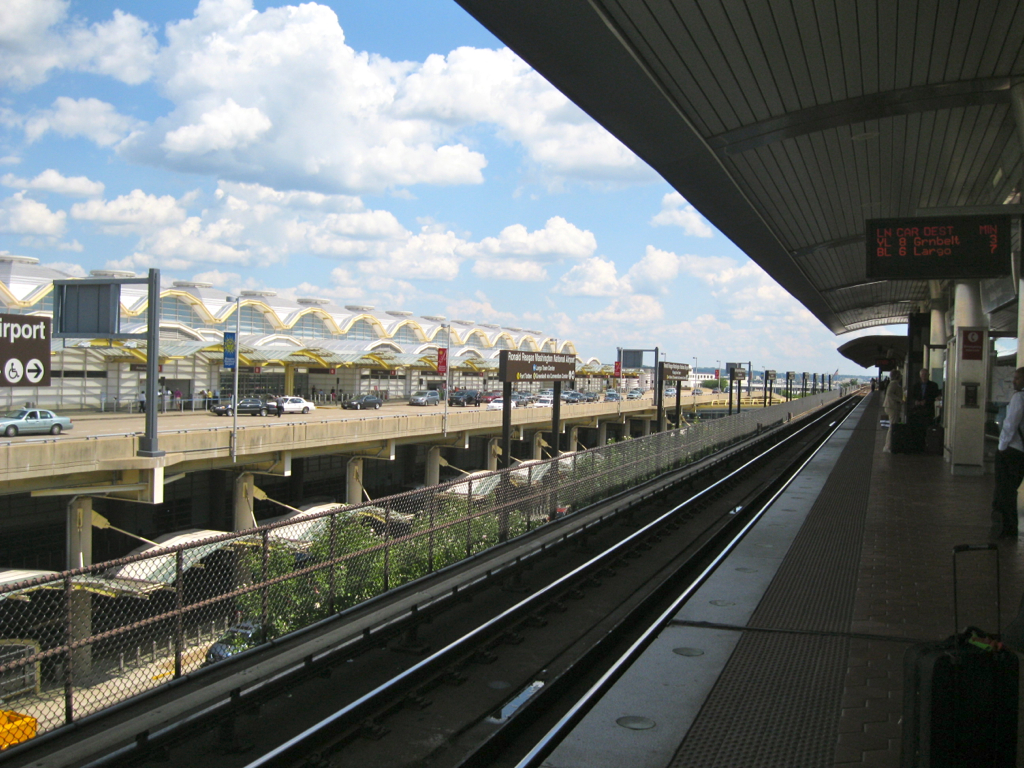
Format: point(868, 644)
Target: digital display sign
point(937, 248)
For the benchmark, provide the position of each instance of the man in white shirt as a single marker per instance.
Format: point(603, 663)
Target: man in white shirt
point(1009, 464)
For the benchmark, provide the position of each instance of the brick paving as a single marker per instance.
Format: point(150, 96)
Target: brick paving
point(917, 512)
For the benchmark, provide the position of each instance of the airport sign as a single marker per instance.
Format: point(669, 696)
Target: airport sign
point(770, 376)
point(535, 366)
point(25, 350)
point(674, 371)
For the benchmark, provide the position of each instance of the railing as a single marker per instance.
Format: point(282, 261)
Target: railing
point(95, 636)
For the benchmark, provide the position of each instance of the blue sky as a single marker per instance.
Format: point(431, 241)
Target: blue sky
point(390, 153)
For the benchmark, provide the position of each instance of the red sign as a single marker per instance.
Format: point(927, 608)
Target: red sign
point(442, 361)
point(258, 369)
point(718, 373)
point(332, 371)
point(974, 345)
point(618, 367)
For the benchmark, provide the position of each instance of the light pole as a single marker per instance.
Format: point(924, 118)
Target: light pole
point(718, 373)
point(447, 375)
point(693, 389)
point(234, 391)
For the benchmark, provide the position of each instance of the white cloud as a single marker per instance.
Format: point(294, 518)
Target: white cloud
point(557, 240)
point(228, 126)
point(676, 212)
point(135, 211)
point(22, 215)
point(594, 277)
point(655, 272)
point(96, 120)
point(426, 256)
point(511, 269)
point(218, 278)
point(630, 311)
point(52, 181)
point(36, 39)
point(481, 309)
point(68, 268)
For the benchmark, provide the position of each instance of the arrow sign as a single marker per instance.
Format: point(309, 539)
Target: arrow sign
point(34, 371)
point(24, 351)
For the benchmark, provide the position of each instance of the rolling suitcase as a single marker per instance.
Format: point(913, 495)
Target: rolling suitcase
point(960, 697)
point(906, 438)
point(934, 439)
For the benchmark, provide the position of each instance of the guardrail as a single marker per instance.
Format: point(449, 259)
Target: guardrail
point(111, 631)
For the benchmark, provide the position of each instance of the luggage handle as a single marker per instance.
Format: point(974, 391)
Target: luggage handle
point(959, 548)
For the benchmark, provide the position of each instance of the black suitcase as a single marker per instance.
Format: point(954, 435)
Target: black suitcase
point(960, 697)
point(906, 438)
point(934, 438)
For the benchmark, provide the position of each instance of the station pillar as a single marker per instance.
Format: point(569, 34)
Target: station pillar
point(79, 548)
point(433, 474)
point(354, 481)
point(966, 393)
point(244, 517)
point(493, 444)
point(574, 438)
point(646, 426)
point(537, 445)
point(602, 434)
point(289, 380)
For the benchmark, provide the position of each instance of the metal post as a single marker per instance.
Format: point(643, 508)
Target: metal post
point(658, 394)
point(556, 420)
point(679, 403)
point(148, 443)
point(447, 378)
point(179, 621)
point(69, 701)
point(234, 393)
point(506, 424)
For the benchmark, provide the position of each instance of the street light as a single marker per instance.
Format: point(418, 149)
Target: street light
point(447, 376)
point(234, 391)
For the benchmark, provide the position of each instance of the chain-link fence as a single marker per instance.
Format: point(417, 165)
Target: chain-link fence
point(74, 643)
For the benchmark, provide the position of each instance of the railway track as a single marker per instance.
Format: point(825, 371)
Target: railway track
point(477, 675)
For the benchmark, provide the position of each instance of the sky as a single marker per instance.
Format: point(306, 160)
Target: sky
point(391, 153)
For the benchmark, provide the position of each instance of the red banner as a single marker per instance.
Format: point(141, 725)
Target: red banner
point(442, 361)
point(618, 368)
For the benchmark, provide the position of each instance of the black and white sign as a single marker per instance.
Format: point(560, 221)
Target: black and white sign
point(25, 351)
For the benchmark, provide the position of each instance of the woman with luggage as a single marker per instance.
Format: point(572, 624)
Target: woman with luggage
point(893, 405)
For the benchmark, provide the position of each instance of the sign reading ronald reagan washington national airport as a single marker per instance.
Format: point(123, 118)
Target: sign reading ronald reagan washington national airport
point(535, 366)
point(25, 351)
point(938, 247)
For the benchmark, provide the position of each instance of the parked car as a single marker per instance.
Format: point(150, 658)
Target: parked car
point(611, 396)
point(298, 405)
point(250, 406)
point(670, 391)
point(497, 405)
point(33, 421)
point(240, 637)
point(592, 397)
point(464, 397)
point(521, 399)
point(364, 402)
point(425, 397)
point(486, 397)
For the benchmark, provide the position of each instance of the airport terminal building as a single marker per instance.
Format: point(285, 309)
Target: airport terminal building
point(307, 345)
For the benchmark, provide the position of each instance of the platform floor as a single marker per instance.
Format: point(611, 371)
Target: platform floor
point(813, 615)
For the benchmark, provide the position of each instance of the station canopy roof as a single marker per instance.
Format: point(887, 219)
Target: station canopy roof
point(787, 123)
point(867, 351)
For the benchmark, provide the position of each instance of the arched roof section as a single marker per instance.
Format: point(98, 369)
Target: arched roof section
point(410, 325)
point(568, 348)
point(183, 329)
point(326, 317)
point(528, 344)
point(481, 337)
point(373, 321)
point(197, 304)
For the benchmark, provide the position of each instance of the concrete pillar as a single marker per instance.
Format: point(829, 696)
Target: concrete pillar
point(433, 474)
point(354, 481)
point(79, 532)
point(244, 517)
point(289, 379)
point(646, 426)
point(602, 434)
point(79, 549)
point(967, 309)
point(492, 453)
point(537, 444)
point(965, 420)
point(574, 437)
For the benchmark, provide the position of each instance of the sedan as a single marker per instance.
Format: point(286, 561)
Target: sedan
point(298, 405)
point(252, 406)
point(240, 637)
point(364, 402)
point(28, 421)
point(499, 404)
point(670, 391)
point(635, 394)
point(487, 397)
point(425, 397)
point(611, 397)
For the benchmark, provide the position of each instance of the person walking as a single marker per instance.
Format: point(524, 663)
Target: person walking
point(280, 406)
point(1009, 464)
point(893, 405)
point(142, 400)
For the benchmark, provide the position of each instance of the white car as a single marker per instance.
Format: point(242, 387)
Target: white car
point(544, 402)
point(498, 404)
point(298, 405)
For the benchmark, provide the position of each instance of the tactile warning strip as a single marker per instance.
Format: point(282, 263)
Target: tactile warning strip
point(777, 702)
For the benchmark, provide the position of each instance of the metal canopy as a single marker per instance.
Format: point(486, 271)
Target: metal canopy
point(787, 123)
point(866, 351)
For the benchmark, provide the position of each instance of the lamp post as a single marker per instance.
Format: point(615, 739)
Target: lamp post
point(718, 373)
point(234, 391)
point(447, 376)
point(693, 389)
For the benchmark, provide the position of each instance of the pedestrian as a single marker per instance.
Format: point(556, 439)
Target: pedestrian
point(177, 399)
point(142, 400)
point(893, 405)
point(1009, 465)
point(280, 406)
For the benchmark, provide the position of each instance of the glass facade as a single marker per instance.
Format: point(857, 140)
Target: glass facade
point(311, 327)
point(252, 321)
point(407, 335)
point(361, 330)
point(173, 310)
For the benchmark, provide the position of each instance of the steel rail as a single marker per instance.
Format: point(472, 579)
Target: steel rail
point(578, 711)
point(322, 734)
